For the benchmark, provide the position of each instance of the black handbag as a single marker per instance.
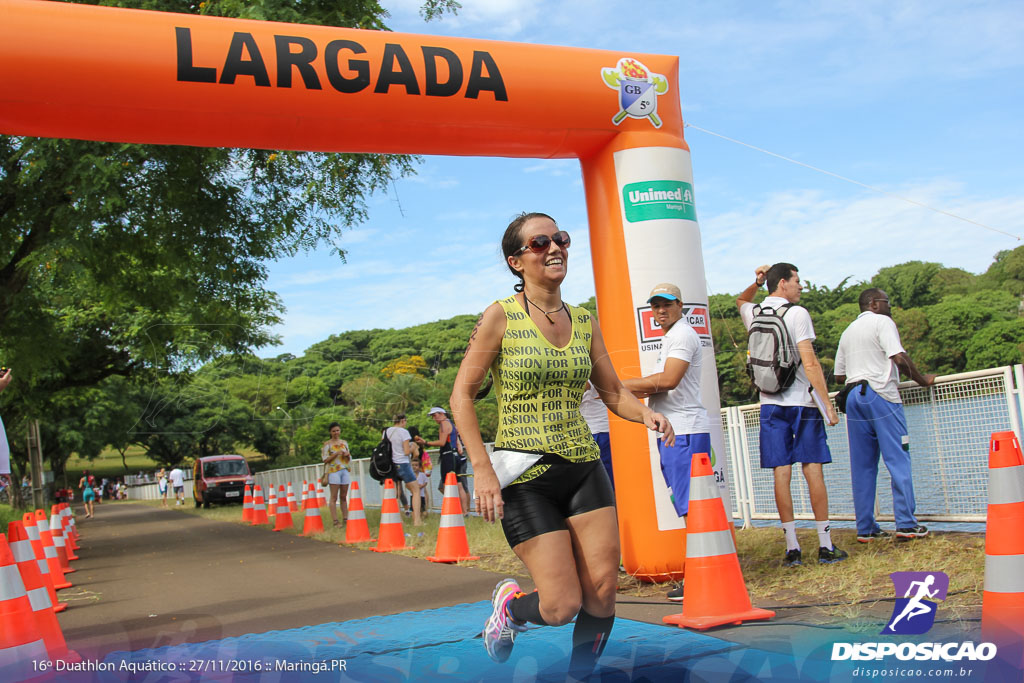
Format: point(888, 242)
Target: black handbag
point(841, 396)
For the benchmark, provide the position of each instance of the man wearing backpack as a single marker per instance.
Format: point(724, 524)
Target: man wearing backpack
point(868, 362)
point(401, 447)
point(792, 429)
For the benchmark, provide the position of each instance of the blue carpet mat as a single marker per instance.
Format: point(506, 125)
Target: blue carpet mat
point(442, 645)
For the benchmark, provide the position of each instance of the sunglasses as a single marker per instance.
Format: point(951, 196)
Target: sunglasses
point(538, 244)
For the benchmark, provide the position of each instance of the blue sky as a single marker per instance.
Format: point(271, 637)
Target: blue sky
point(920, 99)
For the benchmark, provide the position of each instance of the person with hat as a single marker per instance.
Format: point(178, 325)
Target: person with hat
point(674, 391)
point(451, 455)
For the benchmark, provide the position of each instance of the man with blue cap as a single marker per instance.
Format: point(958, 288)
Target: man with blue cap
point(674, 391)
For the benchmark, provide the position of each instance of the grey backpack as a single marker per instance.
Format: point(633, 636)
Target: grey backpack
point(772, 358)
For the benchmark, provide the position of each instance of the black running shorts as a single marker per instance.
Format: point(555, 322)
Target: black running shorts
point(543, 504)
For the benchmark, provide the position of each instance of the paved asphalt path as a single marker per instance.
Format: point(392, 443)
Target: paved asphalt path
point(149, 577)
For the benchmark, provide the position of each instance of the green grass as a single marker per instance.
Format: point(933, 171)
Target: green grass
point(856, 593)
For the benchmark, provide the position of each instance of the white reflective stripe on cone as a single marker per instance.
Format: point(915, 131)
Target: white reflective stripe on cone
point(33, 532)
point(39, 598)
point(703, 488)
point(1004, 573)
point(451, 490)
point(49, 551)
point(18, 663)
point(42, 525)
point(312, 512)
point(261, 506)
point(282, 509)
point(1006, 485)
point(58, 540)
point(390, 518)
point(22, 551)
point(356, 514)
point(709, 544)
point(11, 585)
point(450, 521)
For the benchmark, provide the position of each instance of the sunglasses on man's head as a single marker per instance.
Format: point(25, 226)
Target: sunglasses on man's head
point(538, 244)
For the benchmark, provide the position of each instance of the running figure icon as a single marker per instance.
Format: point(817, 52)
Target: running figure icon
point(916, 607)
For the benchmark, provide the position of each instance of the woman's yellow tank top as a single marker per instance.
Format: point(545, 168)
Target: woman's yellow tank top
point(539, 386)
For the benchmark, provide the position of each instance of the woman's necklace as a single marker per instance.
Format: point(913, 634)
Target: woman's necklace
point(547, 314)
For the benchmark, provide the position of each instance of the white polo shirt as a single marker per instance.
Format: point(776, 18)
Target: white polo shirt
point(594, 411)
point(865, 352)
point(798, 322)
point(682, 405)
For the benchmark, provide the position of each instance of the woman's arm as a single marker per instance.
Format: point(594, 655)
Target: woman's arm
point(484, 345)
point(616, 396)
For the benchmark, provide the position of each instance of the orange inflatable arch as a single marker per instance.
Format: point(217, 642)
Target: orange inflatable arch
point(96, 73)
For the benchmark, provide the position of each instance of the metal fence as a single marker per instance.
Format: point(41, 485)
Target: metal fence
point(949, 423)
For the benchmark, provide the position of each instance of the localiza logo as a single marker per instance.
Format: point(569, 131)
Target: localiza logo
point(914, 613)
point(638, 90)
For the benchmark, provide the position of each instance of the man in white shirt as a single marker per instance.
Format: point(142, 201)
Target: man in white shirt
point(177, 478)
point(401, 447)
point(868, 361)
point(674, 391)
point(792, 429)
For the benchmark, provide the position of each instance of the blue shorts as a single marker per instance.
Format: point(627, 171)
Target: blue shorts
point(792, 434)
point(675, 466)
point(405, 473)
point(605, 444)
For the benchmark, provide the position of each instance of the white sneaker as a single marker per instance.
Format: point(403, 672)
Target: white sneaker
point(500, 630)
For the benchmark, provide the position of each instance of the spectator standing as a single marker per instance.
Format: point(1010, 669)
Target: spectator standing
point(177, 478)
point(5, 449)
point(451, 455)
point(401, 448)
point(421, 466)
point(595, 414)
point(868, 361)
point(792, 428)
point(161, 486)
point(336, 458)
point(674, 391)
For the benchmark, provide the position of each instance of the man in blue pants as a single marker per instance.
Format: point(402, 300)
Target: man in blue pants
point(870, 357)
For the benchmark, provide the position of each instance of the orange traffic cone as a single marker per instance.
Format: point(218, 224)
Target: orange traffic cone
point(42, 610)
point(1002, 608)
point(272, 502)
point(70, 535)
point(247, 505)
point(390, 535)
point(21, 643)
point(69, 515)
point(292, 505)
point(313, 523)
point(58, 519)
point(259, 508)
point(715, 593)
point(304, 491)
point(356, 529)
point(57, 535)
point(21, 548)
point(452, 542)
point(284, 515)
point(49, 552)
point(321, 495)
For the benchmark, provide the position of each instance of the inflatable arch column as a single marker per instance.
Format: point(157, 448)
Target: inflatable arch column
point(99, 73)
point(643, 231)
